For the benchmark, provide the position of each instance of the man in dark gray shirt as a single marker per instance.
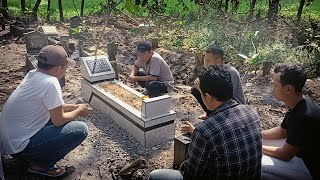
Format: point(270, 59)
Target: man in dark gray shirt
point(215, 56)
point(156, 76)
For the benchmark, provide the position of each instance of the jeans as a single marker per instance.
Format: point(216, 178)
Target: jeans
point(154, 88)
point(197, 95)
point(165, 174)
point(52, 143)
point(274, 169)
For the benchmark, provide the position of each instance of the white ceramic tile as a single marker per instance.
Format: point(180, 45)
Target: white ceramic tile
point(160, 119)
point(160, 135)
point(156, 107)
point(86, 90)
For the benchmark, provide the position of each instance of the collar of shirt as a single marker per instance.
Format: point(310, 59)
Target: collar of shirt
point(224, 106)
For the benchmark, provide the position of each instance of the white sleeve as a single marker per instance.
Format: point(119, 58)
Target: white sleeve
point(52, 96)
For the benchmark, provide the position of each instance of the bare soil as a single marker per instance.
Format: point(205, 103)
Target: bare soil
point(108, 148)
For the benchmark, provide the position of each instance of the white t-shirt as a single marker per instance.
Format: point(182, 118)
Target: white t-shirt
point(27, 110)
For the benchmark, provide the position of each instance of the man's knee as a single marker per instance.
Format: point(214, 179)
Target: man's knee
point(79, 129)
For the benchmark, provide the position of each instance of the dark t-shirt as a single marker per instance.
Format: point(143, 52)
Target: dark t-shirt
point(303, 131)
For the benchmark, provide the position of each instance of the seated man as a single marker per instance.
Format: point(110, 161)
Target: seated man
point(298, 157)
point(35, 124)
point(156, 77)
point(228, 144)
point(215, 55)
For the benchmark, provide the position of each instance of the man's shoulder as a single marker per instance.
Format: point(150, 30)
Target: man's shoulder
point(156, 57)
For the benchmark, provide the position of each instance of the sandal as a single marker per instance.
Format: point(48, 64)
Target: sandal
point(46, 172)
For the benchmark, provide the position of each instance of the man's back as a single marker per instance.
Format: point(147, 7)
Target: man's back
point(227, 144)
point(238, 94)
point(26, 110)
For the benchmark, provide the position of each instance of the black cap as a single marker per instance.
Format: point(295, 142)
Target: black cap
point(144, 46)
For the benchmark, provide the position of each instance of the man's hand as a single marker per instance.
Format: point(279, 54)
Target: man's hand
point(197, 84)
point(133, 78)
point(85, 109)
point(187, 128)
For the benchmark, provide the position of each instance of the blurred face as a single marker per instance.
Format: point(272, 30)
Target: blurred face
point(210, 59)
point(61, 71)
point(207, 100)
point(145, 57)
point(280, 91)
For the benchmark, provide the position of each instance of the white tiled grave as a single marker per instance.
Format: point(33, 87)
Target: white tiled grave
point(154, 124)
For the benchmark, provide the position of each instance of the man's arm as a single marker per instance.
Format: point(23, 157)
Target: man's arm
point(69, 107)
point(145, 78)
point(274, 133)
point(59, 117)
point(285, 153)
point(134, 70)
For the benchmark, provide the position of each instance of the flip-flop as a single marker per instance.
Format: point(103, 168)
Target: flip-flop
point(45, 172)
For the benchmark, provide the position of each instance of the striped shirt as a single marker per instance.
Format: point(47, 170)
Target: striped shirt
point(227, 145)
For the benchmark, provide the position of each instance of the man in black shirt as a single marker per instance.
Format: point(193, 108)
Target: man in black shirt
point(297, 158)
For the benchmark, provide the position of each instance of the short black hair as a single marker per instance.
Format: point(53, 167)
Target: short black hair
point(216, 81)
point(294, 75)
point(216, 51)
point(45, 66)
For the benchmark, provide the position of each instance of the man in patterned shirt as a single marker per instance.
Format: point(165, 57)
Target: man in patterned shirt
point(228, 144)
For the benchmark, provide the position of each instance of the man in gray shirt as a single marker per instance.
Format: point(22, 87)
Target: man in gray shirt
point(214, 56)
point(156, 76)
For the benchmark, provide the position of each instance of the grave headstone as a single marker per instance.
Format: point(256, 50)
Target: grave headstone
point(35, 41)
point(75, 22)
point(112, 49)
point(181, 145)
point(50, 31)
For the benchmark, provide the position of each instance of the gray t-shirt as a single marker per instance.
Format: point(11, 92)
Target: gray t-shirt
point(237, 85)
point(159, 68)
point(27, 110)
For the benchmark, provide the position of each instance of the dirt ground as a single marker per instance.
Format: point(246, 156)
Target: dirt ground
point(108, 147)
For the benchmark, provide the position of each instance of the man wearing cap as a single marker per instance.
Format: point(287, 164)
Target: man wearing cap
point(215, 55)
point(156, 76)
point(35, 124)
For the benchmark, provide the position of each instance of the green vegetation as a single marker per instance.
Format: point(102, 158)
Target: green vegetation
point(69, 9)
point(189, 26)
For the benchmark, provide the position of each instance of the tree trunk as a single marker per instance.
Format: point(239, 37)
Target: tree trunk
point(60, 10)
point(235, 5)
point(23, 6)
point(273, 11)
point(252, 6)
point(226, 7)
point(300, 9)
point(82, 7)
point(35, 9)
point(5, 11)
point(219, 6)
point(48, 11)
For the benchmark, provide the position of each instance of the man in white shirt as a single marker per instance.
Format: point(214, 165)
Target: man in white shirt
point(35, 124)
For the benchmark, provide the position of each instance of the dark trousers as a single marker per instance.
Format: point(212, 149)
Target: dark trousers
point(197, 95)
point(154, 88)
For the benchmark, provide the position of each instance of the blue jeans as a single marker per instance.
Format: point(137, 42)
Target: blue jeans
point(52, 143)
point(165, 174)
